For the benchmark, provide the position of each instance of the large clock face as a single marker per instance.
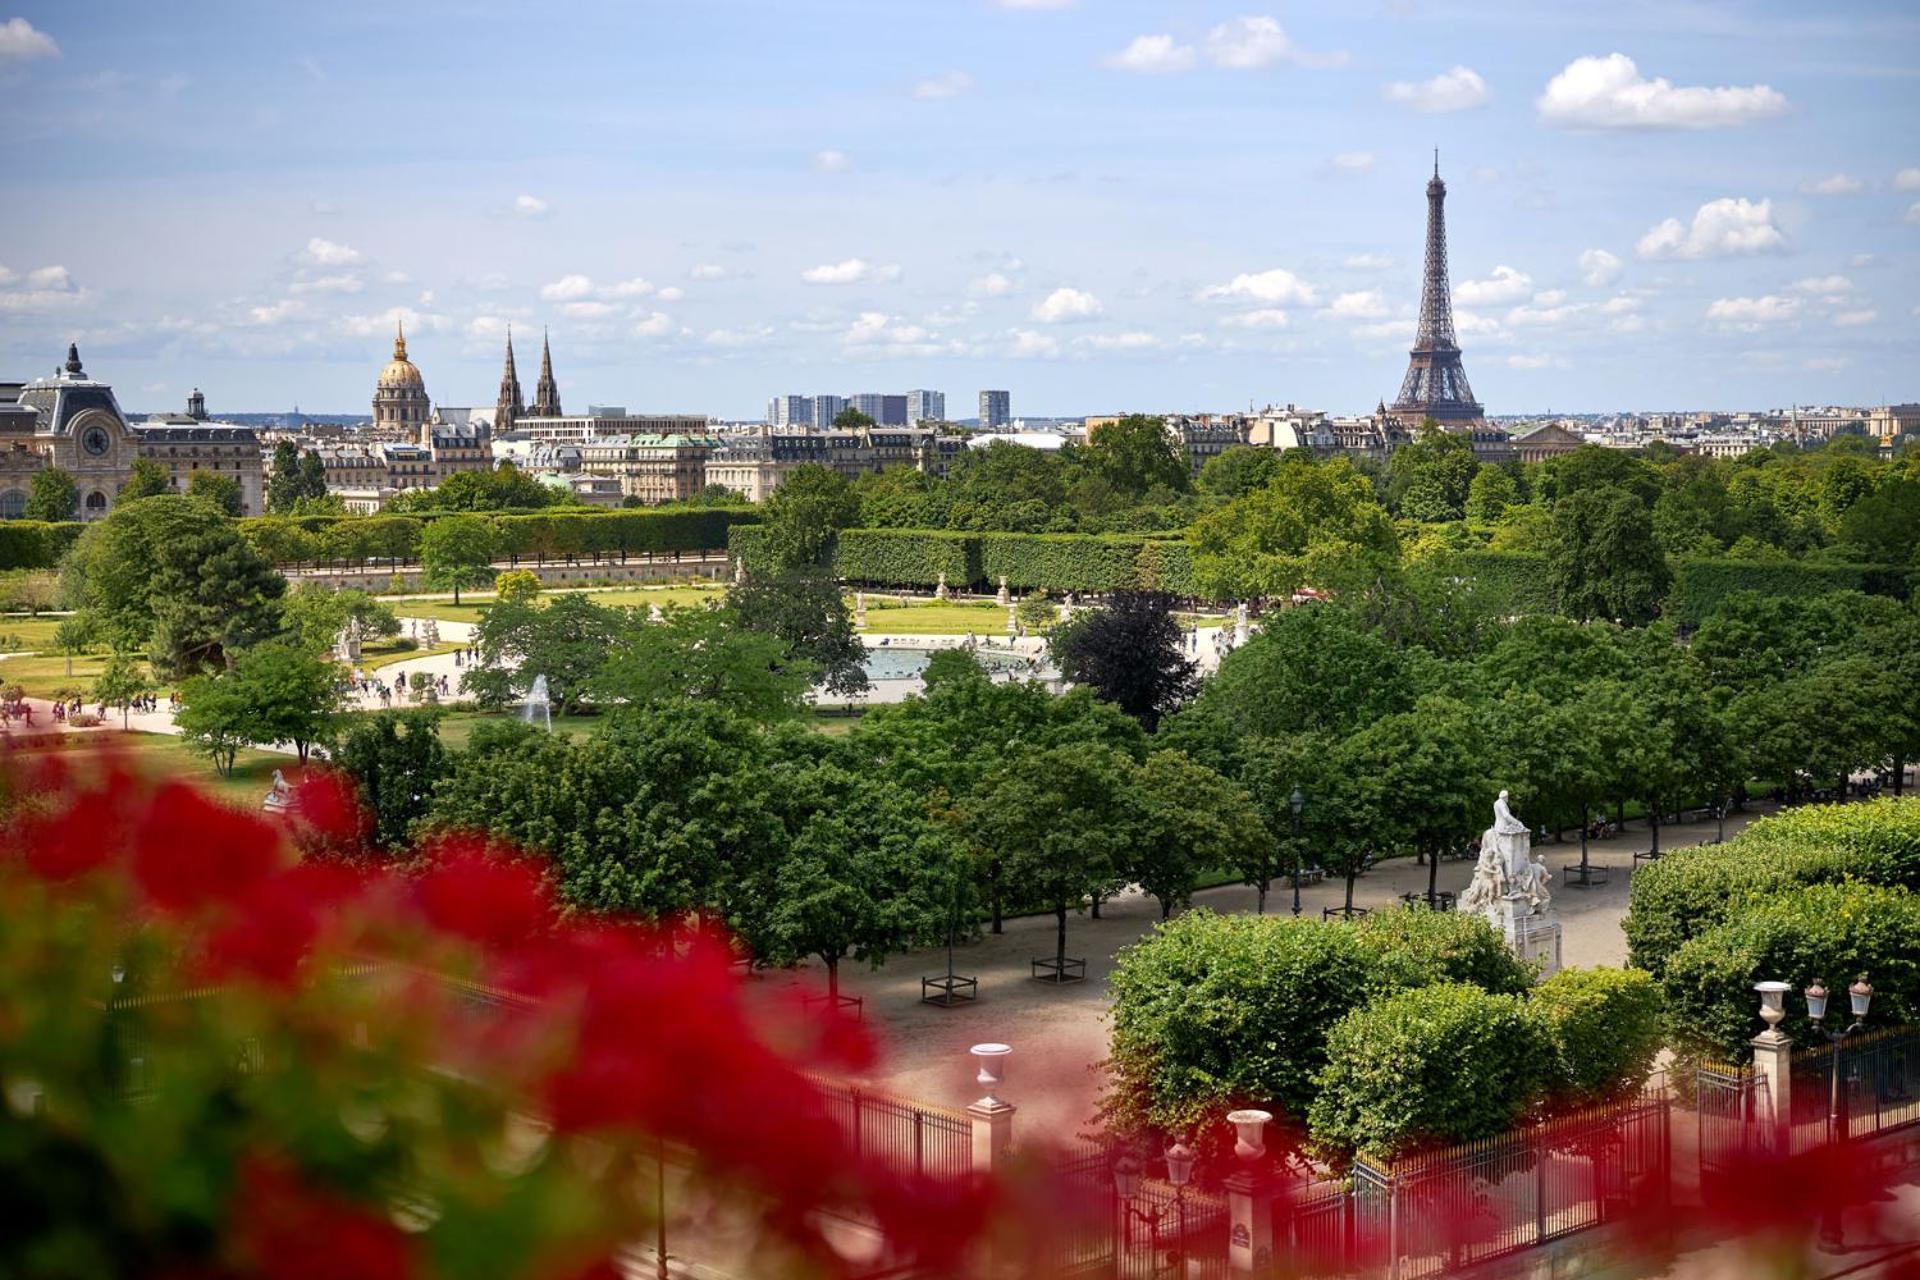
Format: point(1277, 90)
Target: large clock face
point(94, 440)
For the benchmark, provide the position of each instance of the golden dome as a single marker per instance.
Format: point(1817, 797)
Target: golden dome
point(401, 373)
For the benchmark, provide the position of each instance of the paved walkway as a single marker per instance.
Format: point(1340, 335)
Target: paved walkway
point(1059, 1034)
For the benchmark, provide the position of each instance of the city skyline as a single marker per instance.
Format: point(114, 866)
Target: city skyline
point(1098, 206)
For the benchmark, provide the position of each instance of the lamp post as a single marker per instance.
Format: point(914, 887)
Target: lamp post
point(1296, 802)
point(1860, 995)
point(1126, 1183)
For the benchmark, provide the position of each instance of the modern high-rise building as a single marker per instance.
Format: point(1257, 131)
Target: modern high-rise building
point(886, 410)
point(790, 411)
point(996, 408)
point(826, 409)
point(926, 406)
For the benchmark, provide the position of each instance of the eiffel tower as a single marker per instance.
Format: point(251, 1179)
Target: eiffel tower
point(1436, 382)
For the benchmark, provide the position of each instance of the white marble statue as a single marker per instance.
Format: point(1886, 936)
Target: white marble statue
point(280, 799)
point(1005, 595)
point(941, 592)
point(1509, 890)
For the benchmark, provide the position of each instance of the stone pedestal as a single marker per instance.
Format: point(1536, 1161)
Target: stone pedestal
point(992, 1134)
point(1250, 1221)
point(1533, 936)
point(1772, 1092)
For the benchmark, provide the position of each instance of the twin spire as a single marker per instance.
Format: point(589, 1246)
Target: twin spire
point(510, 408)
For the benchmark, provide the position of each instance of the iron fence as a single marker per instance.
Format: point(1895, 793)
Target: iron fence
point(1083, 1243)
point(1878, 1087)
point(1171, 1231)
point(1725, 1101)
point(1445, 1210)
point(913, 1137)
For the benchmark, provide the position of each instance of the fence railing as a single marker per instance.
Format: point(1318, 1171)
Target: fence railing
point(1878, 1087)
point(914, 1137)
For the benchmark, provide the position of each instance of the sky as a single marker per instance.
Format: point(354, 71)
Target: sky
point(1099, 205)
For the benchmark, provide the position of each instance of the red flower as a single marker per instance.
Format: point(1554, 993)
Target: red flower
point(190, 851)
point(490, 898)
point(289, 1229)
point(274, 928)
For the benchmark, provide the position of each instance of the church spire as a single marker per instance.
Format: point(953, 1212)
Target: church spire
point(546, 393)
point(399, 339)
point(510, 408)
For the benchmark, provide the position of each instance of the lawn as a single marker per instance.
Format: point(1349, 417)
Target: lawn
point(375, 656)
point(936, 619)
point(24, 633)
point(160, 755)
point(470, 607)
point(41, 674)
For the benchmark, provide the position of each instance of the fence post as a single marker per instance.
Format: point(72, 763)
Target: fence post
point(992, 1119)
point(1772, 1092)
point(1250, 1196)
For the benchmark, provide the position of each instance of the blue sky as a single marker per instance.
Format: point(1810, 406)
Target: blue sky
point(1097, 204)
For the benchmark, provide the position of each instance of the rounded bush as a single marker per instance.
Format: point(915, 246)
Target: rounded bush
point(1429, 1067)
point(1413, 947)
point(1691, 890)
point(1830, 932)
point(1608, 1027)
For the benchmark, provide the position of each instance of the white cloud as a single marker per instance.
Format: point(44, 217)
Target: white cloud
point(326, 253)
point(1029, 345)
point(567, 288)
point(1854, 319)
point(1535, 362)
point(1751, 313)
point(1549, 297)
point(1548, 311)
point(851, 271)
point(948, 84)
point(1838, 184)
point(638, 287)
point(1460, 89)
point(1154, 55)
point(733, 339)
point(1907, 180)
point(1401, 330)
point(1610, 93)
point(589, 310)
point(1620, 304)
point(1823, 286)
point(21, 42)
point(1262, 318)
point(1250, 44)
point(831, 161)
point(46, 289)
point(877, 328)
point(1353, 162)
point(1277, 285)
point(53, 279)
point(672, 293)
point(1368, 262)
point(1825, 364)
point(343, 282)
point(1598, 268)
point(653, 325)
point(1367, 305)
point(1503, 286)
point(1913, 212)
point(992, 285)
point(1133, 340)
point(1066, 304)
point(1720, 228)
point(274, 313)
point(707, 271)
point(527, 206)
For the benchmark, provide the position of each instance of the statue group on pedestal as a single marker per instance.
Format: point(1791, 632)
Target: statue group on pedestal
point(1508, 869)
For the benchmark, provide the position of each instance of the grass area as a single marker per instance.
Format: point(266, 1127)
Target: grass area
point(470, 607)
point(373, 657)
point(160, 755)
point(41, 674)
point(936, 619)
point(20, 632)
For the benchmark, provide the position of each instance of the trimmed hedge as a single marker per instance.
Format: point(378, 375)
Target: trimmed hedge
point(36, 544)
point(1059, 561)
point(1609, 1029)
point(916, 557)
point(599, 534)
point(1830, 932)
point(1512, 582)
point(1429, 1067)
point(1412, 947)
point(1700, 585)
point(1689, 891)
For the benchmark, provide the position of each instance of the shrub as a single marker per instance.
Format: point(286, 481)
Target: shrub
point(1700, 585)
point(1414, 947)
point(1428, 1067)
point(907, 557)
point(36, 544)
point(1830, 932)
point(1608, 1027)
point(1512, 582)
point(1059, 561)
point(1689, 891)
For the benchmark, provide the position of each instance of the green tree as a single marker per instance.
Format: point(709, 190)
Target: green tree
point(863, 871)
point(1137, 454)
point(1314, 523)
point(121, 683)
point(517, 586)
point(284, 485)
point(1186, 820)
point(315, 615)
point(851, 419)
point(175, 576)
point(274, 693)
point(312, 477)
point(702, 655)
point(457, 552)
point(396, 758)
point(1603, 560)
point(1593, 466)
point(1045, 818)
point(1430, 477)
point(568, 641)
point(804, 516)
point(52, 495)
point(803, 609)
point(149, 480)
point(222, 491)
point(1129, 653)
point(1239, 470)
point(1493, 491)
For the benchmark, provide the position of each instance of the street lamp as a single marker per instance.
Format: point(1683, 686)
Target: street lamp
point(1295, 802)
point(1860, 995)
point(1126, 1184)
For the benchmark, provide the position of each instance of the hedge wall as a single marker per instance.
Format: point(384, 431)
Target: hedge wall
point(1689, 891)
point(1058, 561)
point(913, 557)
point(287, 540)
point(1700, 585)
point(35, 544)
point(1514, 582)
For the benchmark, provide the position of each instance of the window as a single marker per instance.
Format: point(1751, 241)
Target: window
point(96, 501)
point(13, 504)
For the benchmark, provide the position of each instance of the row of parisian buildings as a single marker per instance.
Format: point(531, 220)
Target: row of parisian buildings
point(609, 456)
